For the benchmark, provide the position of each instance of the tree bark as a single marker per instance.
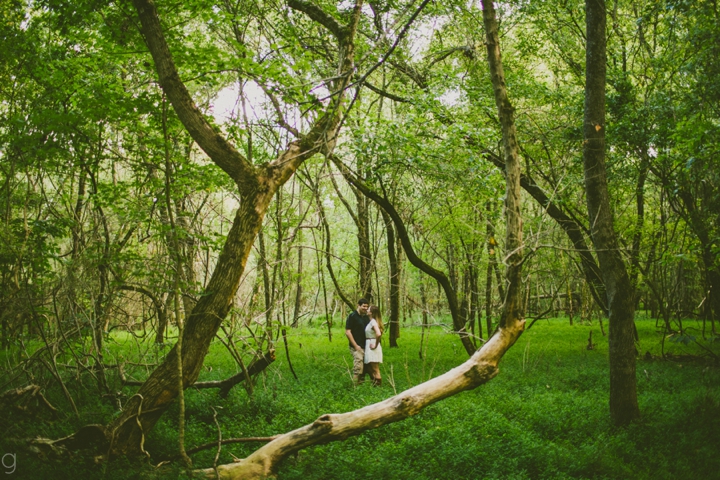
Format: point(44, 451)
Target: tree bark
point(513, 308)
point(394, 316)
point(491, 245)
point(623, 390)
point(365, 255)
point(298, 289)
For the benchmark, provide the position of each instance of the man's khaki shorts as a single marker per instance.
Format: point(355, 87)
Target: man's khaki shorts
point(358, 361)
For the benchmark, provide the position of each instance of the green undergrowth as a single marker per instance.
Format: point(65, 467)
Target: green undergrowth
point(544, 416)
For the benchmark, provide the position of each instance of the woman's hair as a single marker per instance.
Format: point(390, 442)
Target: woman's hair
point(375, 313)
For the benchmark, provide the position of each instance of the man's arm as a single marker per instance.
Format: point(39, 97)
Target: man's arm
point(349, 335)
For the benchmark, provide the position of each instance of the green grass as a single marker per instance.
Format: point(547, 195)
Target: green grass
point(544, 416)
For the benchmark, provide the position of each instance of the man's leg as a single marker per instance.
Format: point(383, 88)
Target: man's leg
point(358, 366)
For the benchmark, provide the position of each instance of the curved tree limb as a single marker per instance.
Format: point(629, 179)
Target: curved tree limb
point(210, 140)
point(159, 307)
point(439, 276)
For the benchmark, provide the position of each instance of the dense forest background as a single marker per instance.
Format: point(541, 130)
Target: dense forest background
point(236, 174)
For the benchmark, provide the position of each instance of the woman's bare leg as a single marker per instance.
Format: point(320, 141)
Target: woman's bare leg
point(376, 378)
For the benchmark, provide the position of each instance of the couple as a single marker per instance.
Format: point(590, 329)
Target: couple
point(364, 334)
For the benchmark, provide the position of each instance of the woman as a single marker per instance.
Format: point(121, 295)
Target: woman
point(373, 349)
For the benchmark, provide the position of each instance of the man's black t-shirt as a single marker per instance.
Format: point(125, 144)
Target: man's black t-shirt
point(356, 323)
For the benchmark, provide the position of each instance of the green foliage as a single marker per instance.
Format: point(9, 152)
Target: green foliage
point(544, 415)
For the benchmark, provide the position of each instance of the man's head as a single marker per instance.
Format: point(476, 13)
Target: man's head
point(363, 306)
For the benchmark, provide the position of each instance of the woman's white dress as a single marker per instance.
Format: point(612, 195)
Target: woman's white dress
point(370, 354)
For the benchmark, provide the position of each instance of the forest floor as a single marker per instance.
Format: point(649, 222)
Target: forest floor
point(544, 416)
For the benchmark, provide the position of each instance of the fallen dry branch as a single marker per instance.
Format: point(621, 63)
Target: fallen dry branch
point(480, 368)
point(28, 399)
point(124, 380)
point(226, 385)
point(227, 441)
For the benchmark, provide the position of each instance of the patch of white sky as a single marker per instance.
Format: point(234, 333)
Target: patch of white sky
point(226, 106)
point(420, 39)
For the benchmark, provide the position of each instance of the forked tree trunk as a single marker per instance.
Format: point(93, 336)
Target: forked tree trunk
point(256, 186)
point(623, 391)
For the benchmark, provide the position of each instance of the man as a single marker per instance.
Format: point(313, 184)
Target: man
point(355, 332)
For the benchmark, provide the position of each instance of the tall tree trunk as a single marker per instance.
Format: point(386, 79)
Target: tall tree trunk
point(513, 314)
point(491, 245)
point(474, 301)
point(623, 391)
point(267, 288)
point(363, 236)
point(639, 223)
point(394, 322)
point(102, 299)
point(298, 289)
point(177, 254)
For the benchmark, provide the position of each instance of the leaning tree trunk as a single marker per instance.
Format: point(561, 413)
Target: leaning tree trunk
point(256, 185)
point(479, 369)
point(623, 390)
